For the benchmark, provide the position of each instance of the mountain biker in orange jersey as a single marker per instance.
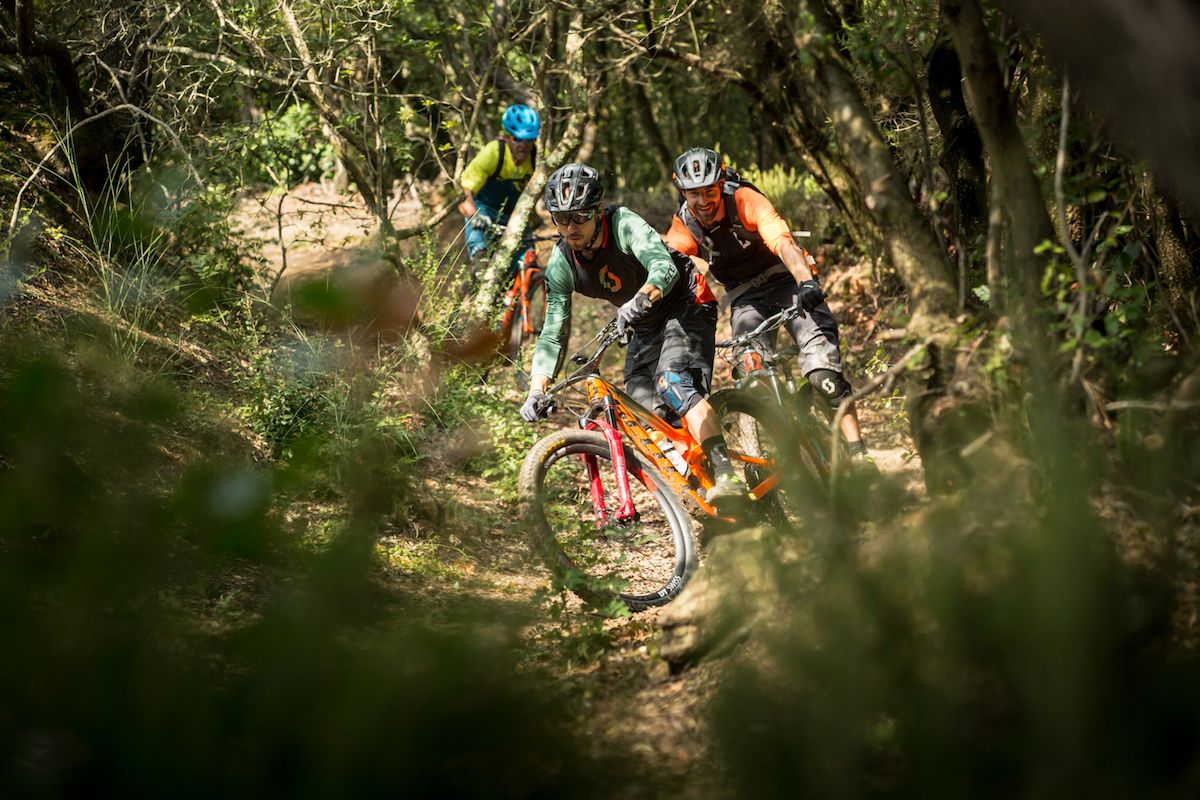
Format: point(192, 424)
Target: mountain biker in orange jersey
point(613, 254)
point(749, 249)
point(496, 177)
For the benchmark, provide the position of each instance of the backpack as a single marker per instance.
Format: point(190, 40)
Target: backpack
point(504, 152)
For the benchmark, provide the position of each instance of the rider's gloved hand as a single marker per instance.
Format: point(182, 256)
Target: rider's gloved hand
point(480, 220)
point(632, 311)
point(537, 406)
point(809, 295)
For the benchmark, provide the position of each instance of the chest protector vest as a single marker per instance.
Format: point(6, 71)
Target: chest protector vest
point(616, 276)
point(734, 254)
point(499, 193)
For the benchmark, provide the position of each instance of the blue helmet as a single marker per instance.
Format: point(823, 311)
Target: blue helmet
point(522, 122)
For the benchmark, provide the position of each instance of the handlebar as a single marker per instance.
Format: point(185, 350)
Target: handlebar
point(590, 366)
point(768, 324)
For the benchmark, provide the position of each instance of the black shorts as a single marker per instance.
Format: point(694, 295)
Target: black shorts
point(685, 344)
point(816, 333)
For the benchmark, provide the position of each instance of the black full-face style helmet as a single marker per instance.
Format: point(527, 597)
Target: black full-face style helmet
point(574, 187)
point(697, 168)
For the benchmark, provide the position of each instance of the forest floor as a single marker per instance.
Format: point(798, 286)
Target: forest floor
point(626, 702)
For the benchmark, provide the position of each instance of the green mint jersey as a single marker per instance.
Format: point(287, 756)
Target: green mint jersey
point(631, 254)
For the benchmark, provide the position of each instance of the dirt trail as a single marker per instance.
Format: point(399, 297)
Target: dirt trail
point(625, 700)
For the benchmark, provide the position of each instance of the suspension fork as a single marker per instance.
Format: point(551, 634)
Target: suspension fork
point(626, 512)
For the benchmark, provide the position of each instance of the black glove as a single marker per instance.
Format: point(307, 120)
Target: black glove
point(480, 220)
point(537, 406)
point(632, 311)
point(809, 295)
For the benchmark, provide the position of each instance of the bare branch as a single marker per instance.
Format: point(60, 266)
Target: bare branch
point(286, 80)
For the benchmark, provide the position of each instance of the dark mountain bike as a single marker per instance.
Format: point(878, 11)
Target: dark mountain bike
point(764, 374)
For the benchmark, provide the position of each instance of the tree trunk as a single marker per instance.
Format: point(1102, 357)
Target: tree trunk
point(1180, 275)
point(1015, 188)
point(490, 287)
point(962, 149)
point(662, 155)
point(941, 425)
point(910, 241)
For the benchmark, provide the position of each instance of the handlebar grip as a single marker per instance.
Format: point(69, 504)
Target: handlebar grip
point(546, 406)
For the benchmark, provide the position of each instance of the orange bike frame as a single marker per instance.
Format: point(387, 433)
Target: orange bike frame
point(517, 295)
point(623, 413)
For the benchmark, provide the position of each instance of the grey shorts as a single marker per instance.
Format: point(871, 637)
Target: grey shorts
point(685, 344)
point(816, 333)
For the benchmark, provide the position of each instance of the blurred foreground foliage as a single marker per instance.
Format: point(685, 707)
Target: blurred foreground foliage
point(116, 677)
point(1031, 636)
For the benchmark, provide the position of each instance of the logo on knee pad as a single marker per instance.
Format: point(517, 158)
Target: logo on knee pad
point(831, 385)
point(676, 391)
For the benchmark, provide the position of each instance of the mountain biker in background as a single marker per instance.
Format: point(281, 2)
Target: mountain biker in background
point(613, 254)
point(749, 249)
point(496, 177)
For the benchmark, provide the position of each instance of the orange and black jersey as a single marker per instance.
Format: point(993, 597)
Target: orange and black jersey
point(742, 244)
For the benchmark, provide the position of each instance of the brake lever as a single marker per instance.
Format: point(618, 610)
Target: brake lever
point(546, 406)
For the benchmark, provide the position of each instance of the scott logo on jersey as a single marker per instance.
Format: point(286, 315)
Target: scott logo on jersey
point(609, 281)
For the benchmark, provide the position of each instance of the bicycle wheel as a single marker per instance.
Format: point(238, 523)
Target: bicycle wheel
point(816, 420)
point(645, 563)
point(757, 428)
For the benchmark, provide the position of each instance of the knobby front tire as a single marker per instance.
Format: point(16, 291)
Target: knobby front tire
point(644, 564)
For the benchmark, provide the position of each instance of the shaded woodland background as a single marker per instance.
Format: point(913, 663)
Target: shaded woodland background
point(206, 503)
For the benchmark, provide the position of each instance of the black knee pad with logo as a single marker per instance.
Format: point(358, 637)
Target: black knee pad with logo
point(831, 385)
point(677, 391)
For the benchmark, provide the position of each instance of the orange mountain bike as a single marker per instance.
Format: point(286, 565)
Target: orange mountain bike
point(607, 537)
point(525, 310)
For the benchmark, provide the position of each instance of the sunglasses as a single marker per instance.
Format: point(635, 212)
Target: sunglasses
point(565, 218)
point(523, 141)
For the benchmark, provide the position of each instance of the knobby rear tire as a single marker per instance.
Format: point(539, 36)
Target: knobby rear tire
point(655, 556)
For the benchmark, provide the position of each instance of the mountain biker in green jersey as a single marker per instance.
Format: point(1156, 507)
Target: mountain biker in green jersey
point(749, 249)
point(496, 177)
point(613, 254)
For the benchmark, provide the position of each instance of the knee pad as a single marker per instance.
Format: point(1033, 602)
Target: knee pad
point(677, 391)
point(831, 385)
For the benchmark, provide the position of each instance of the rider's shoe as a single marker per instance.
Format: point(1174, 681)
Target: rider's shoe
point(863, 463)
point(728, 494)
